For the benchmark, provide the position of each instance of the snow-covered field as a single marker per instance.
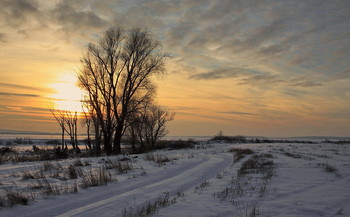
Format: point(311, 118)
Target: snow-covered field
point(208, 181)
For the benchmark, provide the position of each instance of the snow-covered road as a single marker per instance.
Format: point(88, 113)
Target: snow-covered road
point(179, 176)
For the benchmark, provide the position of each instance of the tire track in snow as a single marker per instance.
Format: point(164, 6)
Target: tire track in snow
point(192, 176)
point(321, 189)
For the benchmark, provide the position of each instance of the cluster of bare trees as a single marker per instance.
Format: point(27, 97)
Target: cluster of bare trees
point(146, 126)
point(115, 75)
point(68, 121)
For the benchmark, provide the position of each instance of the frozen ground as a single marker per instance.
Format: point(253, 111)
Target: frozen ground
point(288, 180)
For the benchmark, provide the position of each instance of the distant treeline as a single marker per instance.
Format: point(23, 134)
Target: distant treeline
point(337, 142)
point(243, 139)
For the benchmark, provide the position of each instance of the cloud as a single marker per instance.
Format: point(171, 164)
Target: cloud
point(24, 109)
point(180, 32)
point(18, 94)
point(258, 36)
point(345, 74)
point(261, 79)
point(273, 50)
point(25, 87)
point(221, 73)
point(72, 18)
point(240, 113)
point(268, 79)
point(19, 12)
point(254, 78)
point(182, 108)
point(2, 37)
point(305, 84)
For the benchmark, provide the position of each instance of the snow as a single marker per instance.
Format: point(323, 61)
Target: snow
point(194, 179)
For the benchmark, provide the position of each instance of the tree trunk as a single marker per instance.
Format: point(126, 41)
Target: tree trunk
point(88, 137)
point(97, 144)
point(107, 142)
point(117, 139)
point(62, 137)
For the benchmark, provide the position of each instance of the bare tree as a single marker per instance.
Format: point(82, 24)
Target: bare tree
point(148, 125)
point(115, 74)
point(71, 122)
point(60, 118)
point(92, 127)
point(68, 121)
point(87, 122)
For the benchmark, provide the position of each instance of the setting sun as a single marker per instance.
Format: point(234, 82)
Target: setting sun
point(67, 95)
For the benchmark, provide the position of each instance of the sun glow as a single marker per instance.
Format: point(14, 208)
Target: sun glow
point(67, 95)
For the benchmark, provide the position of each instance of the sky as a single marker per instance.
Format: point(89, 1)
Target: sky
point(262, 68)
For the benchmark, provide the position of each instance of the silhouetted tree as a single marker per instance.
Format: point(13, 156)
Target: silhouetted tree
point(71, 121)
point(60, 118)
point(68, 121)
point(115, 74)
point(147, 126)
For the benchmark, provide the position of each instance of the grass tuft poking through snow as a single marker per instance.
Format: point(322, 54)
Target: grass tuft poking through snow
point(92, 179)
point(120, 166)
point(13, 197)
point(258, 163)
point(240, 153)
point(203, 185)
point(160, 159)
point(330, 169)
point(149, 208)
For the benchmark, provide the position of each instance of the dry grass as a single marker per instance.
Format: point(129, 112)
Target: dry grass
point(240, 153)
point(329, 169)
point(99, 177)
point(160, 159)
point(12, 198)
point(73, 172)
point(120, 166)
point(252, 179)
point(258, 163)
point(203, 185)
point(149, 208)
point(235, 190)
